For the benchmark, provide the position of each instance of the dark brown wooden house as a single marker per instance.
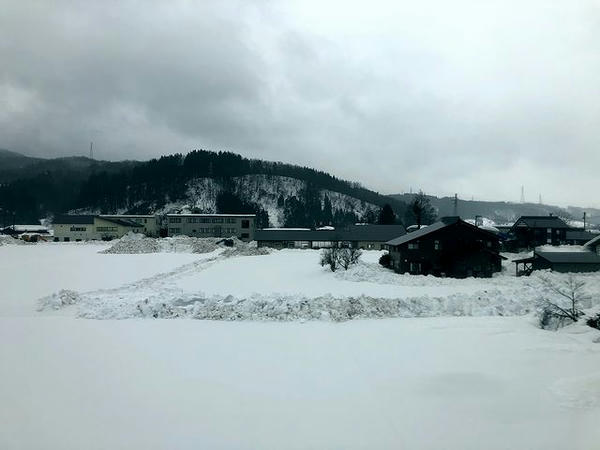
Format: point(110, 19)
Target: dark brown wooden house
point(450, 247)
point(533, 231)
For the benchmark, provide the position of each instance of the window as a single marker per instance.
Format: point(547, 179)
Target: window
point(437, 245)
point(549, 240)
point(174, 219)
point(415, 267)
point(549, 230)
point(245, 223)
point(105, 229)
point(413, 245)
point(489, 244)
point(217, 220)
point(246, 236)
point(174, 230)
point(78, 228)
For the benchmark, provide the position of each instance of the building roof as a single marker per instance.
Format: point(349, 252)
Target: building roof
point(373, 233)
point(580, 257)
point(580, 235)
point(540, 222)
point(593, 242)
point(137, 216)
point(68, 219)
point(123, 222)
point(211, 215)
point(442, 223)
point(292, 234)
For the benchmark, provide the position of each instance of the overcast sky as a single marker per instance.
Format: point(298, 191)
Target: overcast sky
point(476, 97)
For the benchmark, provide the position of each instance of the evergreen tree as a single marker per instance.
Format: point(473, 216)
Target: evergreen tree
point(386, 215)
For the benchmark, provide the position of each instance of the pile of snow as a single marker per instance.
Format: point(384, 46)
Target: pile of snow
point(5, 239)
point(62, 298)
point(133, 243)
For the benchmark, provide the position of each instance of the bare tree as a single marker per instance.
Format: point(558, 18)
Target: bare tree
point(340, 257)
point(330, 257)
point(566, 300)
point(349, 256)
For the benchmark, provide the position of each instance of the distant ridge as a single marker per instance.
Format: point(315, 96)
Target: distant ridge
point(503, 212)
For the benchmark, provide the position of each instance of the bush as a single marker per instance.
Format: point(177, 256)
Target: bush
point(594, 322)
point(386, 260)
point(564, 304)
point(329, 257)
point(340, 257)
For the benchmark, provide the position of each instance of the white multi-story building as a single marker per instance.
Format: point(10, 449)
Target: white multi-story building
point(88, 228)
point(241, 226)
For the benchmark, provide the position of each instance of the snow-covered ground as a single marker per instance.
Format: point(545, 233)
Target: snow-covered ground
point(424, 383)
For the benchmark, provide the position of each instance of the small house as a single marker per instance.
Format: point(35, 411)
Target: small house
point(450, 247)
point(559, 261)
point(533, 231)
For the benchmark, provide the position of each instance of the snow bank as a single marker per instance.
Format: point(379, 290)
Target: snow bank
point(5, 239)
point(133, 243)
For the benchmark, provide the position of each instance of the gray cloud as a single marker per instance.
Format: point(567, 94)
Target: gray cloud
point(470, 97)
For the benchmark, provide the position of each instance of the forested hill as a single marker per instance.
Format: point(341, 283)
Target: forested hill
point(201, 181)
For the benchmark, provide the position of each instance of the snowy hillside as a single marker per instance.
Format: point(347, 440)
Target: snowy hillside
point(263, 190)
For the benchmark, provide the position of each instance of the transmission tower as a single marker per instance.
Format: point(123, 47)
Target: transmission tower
point(522, 194)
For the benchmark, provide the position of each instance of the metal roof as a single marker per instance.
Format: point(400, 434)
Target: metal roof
point(372, 233)
point(211, 215)
point(296, 235)
point(541, 222)
point(582, 257)
point(593, 242)
point(442, 223)
point(89, 220)
point(123, 222)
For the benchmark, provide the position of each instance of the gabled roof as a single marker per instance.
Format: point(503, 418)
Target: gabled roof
point(540, 222)
point(211, 215)
point(593, 242)
point(123, 222)
point(67, 219)
point(581, 257)
point(442, 223)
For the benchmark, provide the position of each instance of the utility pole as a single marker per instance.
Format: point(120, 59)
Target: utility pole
point(522, 194)
point(540, 199)
point(455, 205)
point(584, 220)
point(91, 150)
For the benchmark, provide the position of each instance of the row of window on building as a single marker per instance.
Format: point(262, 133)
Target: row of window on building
point(203, 220)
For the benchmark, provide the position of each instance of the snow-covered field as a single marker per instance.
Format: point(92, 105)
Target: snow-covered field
point(300, 374)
